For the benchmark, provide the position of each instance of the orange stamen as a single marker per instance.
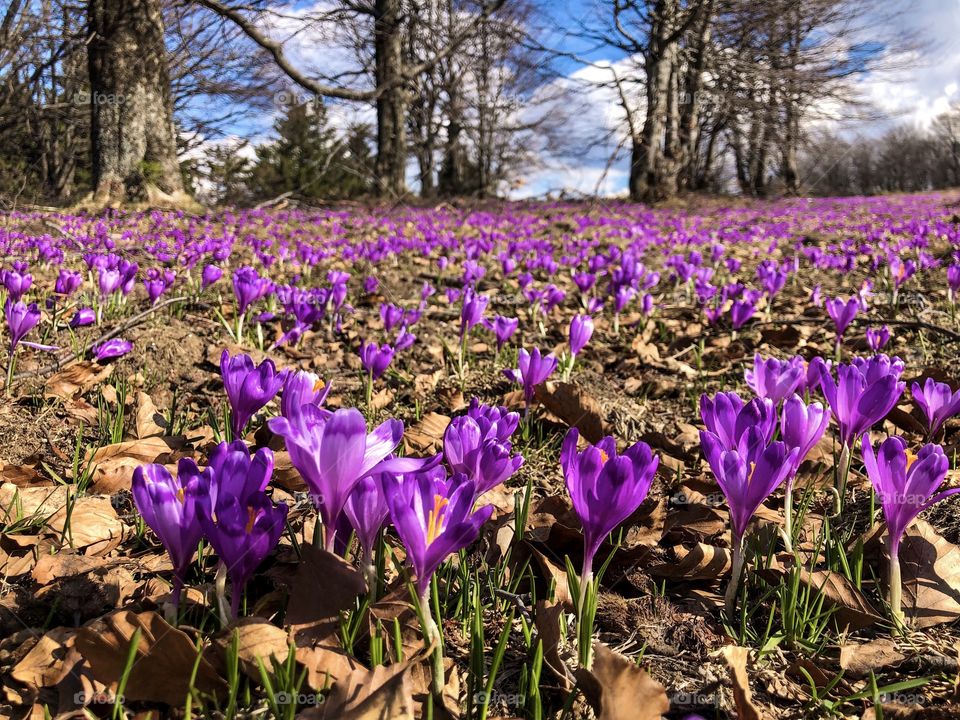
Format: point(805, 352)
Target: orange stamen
point(251, 518)
point(319, 385)
point(435, 518)
point(180, 495)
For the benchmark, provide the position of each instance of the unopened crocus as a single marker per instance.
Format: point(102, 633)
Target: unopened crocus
point(67, 283)
point(877, 338)
point(404, 340)
point(746, 477)
point(842, 312)
point(434, 518)
point(905, 485)
point(248, 387)
point(21, 319)
point(109, 281)
point(238, 518)
point(801, 427)
point(937, 401)
point(605, 488)
point(17, 281)
point(479, 455)
point(248, 287)
point(209, 275)
point(114, 348)
point(83, 317)
point(168, 507)
point(366, 509)
point(494, 421)
point(775, 379)
point(581, 329)
point(375, 359)
point(953, 282)
point(533, 370)
point(503, 329)
point(741, 311)
point(391, 315)
point(333, 451)
point(471, 313)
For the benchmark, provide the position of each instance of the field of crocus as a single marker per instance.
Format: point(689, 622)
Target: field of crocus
point(515, 461)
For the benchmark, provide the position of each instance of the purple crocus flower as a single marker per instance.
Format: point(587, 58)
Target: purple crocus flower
point(842, 312)
point(68, 281)
point(366, 509)
point(333, 451)
point(953, 281)
point(746, 476)
point(877, 338)
point(472, 311)
point(168, 507)
point(481, 456)
point(739, 425)
point(21, 319)
point(741, 311)
point(494, 421)
point(83, 317)
point(375, 359)
point(248, 287)
point(801, 427)
point(238, 518)
point(905, 485)
point(17, 281)
point(605, 488)
point(302, 388)
point(370, 284)
point(533, 370)
point(775, 379)
point(210, 275)
point(391, 315)
point(581, 328)
point(117, 347)
point(862, 395)
point(938, 402)
point(404, 341)
point(503, 329)
point(434, 518)
point(108, 280)
point(249, 387)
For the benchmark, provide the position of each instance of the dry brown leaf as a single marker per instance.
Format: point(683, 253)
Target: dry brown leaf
point(342, 584)
point(150, 423)
point(43, 666)
point(382, 399)
point(860, 659)
point(574, 406)
point(853, 610)
point(426, 436)
point(113, 465)
point(620, 690)
point(65, 563)
point(91, 525)
point(285, 475)
point(930, 570)
point(736, 659)
point(23, 476)
point(547, 620)
point(700, 562)
point(165, 657)
point(395, 607)
point(256, 639)
point(378, 694)
point(76, 379)
point(18, 503)
point(553, 572)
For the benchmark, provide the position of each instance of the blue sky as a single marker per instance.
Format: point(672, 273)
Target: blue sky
point(916, 94)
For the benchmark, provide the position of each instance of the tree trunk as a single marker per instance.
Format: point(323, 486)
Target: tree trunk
point(391, 104)
point(693, 86)
point(133, 140)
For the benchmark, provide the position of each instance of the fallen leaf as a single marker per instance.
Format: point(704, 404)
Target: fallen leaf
point(620, 690)
point(930, 572)
point(113, 465)
point(736, 659)
point(574, 406)
point(860, 659)
point(256, 639)
point(853, 610)
point(30, 503)
point(90, 524)
point(166, 658)
point(342, 583)
point(150, 423)
point(382, 693)
point(700, 562)
point(76, 379)
point(426, 436)
point(43, 666)
point(547, 620)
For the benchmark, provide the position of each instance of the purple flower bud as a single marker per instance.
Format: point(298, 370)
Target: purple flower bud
point(248, 387)
point(581, 329)
point(375, 359)
point(83, 317)
point(21, 319)
point(210, 275)
point(117, 347)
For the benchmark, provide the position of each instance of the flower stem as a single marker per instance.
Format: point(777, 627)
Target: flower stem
point(730, 597)
point(843, 465)
point(10, 366)
point(896, 588)
point(431, 633)
point(788, 516)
